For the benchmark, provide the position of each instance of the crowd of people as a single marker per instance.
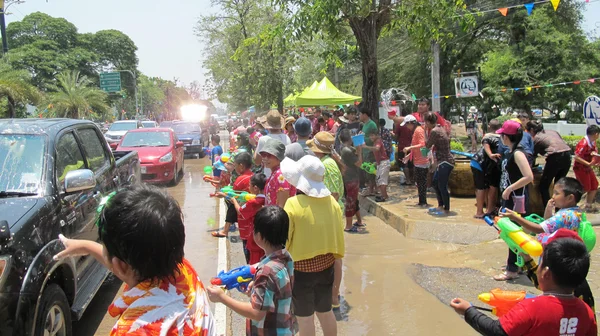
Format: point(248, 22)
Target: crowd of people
point(304, 173)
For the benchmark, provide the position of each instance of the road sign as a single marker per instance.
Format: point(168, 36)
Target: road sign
point(466, 86)
point(110, 81)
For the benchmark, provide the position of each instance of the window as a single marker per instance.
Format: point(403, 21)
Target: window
point(68, 156)
point(92, 145)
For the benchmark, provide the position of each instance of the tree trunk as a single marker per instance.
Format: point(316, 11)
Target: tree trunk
point(11, 107)
point(367, 45)
point(280, 97)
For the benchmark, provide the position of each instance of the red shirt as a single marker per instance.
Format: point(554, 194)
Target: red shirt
point(246, 215)
point(380, 154)
point(330, 123)
point(549, 315)
point(242, 182)
point(440, 121)
point(584, 150)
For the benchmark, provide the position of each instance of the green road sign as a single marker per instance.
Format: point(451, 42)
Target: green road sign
point(110, 81)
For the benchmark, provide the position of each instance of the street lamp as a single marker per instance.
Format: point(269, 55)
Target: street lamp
point(3, 9)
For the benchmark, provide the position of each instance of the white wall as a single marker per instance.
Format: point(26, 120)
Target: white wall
point(567, 129)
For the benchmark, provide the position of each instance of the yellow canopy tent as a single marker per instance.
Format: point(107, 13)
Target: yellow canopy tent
point(325, 93)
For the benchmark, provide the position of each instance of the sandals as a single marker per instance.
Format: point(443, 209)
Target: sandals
point(479, 216)
point(354, 229)
point(218, 235)
point(357, 224)
point(380, 199)
point(505, 277)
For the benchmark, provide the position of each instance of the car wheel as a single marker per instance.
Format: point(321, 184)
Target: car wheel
point(54, 315)
point(181, 172)
point(175, 177)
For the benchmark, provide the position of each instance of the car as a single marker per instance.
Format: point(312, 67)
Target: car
point(222, 120)
point(118, 129)
point(160, 153)
point(55, 174)
point(190, 133)
point(149, 124)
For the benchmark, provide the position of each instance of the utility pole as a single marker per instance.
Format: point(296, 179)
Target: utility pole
point(3, 28)
point(436, 105)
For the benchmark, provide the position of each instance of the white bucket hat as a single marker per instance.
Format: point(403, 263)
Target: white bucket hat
point(306, 175)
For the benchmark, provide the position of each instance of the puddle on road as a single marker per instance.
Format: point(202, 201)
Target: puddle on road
point(381, 298)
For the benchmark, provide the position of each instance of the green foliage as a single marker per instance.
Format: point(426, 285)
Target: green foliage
point(77, 97)
point(457, 146)
point(16, 89)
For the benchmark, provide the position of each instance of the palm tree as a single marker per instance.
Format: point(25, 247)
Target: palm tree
point(77, 97)
point(16, 88)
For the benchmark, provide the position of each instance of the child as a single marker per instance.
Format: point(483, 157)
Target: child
point(269, 309)
point(351, 163)
point(564, 265)
point(242, 164)
point(383, 166)
point(215, 152)
point(386, 137)
point(584, 159)
point(277, 189)
point(246, 214)
point(144, 248)
point(567, 193)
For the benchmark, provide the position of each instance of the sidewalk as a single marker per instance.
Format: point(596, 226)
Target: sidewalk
point(401, 213)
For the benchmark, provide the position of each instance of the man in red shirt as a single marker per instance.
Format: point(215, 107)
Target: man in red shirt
point(564, 265)
point(585, 152)
point(422, 109)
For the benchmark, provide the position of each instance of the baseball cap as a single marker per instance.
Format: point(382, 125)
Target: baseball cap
point(561, 233)
point(510, 127)
point(303, 127)
point(408, 119)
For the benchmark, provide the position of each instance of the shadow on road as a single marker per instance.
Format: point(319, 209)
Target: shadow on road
point(91, 322)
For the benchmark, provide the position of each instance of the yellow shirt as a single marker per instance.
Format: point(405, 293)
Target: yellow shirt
point(315, 227)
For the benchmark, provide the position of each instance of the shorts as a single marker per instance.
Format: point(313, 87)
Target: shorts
point(311, 292)
point(492, 177)
point(216, 173)
point(587, 178)
point(383, 172)
point(479, 179)
point(351, 205)
point(400, 163)
point(471, 131)
point(231, 215)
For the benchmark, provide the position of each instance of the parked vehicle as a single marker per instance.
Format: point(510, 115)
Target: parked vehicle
point(190, 133)
point(55, 172)
point(149, 124)
point(160, 153)
point(118, 129)
point(222, 121)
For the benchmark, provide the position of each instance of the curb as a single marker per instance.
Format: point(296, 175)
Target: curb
point(221, 322)
point(447, 232)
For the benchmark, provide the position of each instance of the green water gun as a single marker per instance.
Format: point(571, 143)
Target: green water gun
point(240, 195)
point(369, 167)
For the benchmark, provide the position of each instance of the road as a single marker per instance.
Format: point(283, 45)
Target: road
point(200, 248)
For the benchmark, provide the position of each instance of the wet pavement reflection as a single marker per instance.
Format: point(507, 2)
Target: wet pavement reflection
point(200, 249)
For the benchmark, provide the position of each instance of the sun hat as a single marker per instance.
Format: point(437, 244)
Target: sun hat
point(307, 175)
point(274, 147)
point(289, 120)
point(321, 143)
point(303, 127)
point(408, 119)
point(472, 109)
point(273, 120)
point(510, 127)
point(344, 118)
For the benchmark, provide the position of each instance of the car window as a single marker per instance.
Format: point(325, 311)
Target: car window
point(95, 153)
point(68, 157)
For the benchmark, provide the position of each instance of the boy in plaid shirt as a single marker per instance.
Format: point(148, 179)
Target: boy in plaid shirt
point(269, 309)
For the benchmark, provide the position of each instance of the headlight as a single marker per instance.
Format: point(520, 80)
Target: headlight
point(166, 158)
point(196, 142)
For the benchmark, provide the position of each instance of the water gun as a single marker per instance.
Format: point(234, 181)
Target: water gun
point(225, 157)
point(369, 167)
point(208, 170)
point(240, 195)
point(517, 240)
point(206, 150)
point(468, 155)
point(502, 301)
point(236, 278)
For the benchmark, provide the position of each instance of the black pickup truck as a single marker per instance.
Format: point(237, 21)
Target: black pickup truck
point(53, 174)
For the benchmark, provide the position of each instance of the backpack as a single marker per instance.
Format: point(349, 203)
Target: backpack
point(586, 233)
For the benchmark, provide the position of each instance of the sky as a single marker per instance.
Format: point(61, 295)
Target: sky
point(164, 30)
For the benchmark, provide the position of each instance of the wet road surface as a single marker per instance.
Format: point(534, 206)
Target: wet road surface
point(200, 249)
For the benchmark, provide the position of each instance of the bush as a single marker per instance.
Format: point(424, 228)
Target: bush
point(457, 146)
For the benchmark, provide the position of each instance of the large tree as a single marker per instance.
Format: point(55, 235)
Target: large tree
point(16, 88)
point(77, 97)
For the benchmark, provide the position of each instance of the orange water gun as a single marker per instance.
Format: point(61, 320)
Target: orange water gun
point(502, 301)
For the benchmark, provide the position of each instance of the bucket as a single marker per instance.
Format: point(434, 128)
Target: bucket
point(424, 151)
point(358, 140)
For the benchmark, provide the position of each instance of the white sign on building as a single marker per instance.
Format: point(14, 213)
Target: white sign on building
point(466, 86)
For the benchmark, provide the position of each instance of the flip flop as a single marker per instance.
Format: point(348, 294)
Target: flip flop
point(359, 225)
point(354, 229)
point(218, 235)
point(505, 277)
point(479, 217)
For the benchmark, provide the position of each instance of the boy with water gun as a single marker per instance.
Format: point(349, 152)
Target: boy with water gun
point(269, 309)
point(567, 193)
point(215, 152)
point(246, 214)
point(564, 265)
point(241, 164)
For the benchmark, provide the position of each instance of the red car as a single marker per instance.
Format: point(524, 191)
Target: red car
point(160, 153)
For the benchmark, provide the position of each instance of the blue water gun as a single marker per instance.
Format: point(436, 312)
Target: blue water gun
point(236, 278)
point(468, 155)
